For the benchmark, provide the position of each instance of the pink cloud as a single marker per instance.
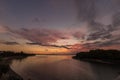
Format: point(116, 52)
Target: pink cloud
point(44, 36)
point(3, 29)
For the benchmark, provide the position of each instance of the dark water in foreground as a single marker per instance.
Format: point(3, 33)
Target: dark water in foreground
point(63, 67)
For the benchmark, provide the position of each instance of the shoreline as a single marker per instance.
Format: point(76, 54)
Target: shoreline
point(6, 73)
point(97, 61)
point(99, 56)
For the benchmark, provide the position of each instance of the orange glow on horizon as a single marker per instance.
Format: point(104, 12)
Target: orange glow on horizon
point(49, 50)
point(34, 49)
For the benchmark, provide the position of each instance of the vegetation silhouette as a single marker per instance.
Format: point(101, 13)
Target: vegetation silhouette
point(14, 54)
point(6, 57)
point(100, 55)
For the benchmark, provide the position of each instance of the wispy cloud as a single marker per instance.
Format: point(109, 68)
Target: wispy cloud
point(49, 45)
point(11, 43)
point(78, 35)
point(45, 36)
point(4, 29)
point(88, 11)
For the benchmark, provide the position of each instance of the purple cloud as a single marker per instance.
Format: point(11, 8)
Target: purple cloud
point(44, 36)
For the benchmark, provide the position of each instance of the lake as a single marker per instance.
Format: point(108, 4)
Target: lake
point(63, 67)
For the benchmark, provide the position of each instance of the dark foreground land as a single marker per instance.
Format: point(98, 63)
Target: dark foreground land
point(101, 56)
point(6, 57)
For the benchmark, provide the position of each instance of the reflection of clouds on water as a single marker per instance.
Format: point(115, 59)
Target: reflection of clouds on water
point(106, 71)
point(67, 70)
point(63, 68)
point(53, 68)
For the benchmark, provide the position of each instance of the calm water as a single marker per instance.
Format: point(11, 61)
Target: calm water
point(45, 67)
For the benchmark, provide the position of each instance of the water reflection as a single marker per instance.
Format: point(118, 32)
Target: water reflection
point(63, 68)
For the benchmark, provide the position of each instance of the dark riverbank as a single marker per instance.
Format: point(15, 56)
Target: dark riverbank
point(14, 54)
point(100, 56)
point(6, 73)
point(6, 58)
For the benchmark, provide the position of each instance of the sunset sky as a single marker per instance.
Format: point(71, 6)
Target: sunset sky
point(59, 26)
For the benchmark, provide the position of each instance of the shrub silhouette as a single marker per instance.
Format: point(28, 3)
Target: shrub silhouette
point(99, 54)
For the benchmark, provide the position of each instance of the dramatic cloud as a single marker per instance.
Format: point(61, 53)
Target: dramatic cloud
point(101, 31)
point(110, 42)
point(88, 11)
point(114, 41)
point(44, 36)
point(98, 31)
point(47, 37)
point(71, 24)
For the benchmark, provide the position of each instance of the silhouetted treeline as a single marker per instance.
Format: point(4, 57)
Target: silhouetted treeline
point(99, 54)
point(10, 54)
